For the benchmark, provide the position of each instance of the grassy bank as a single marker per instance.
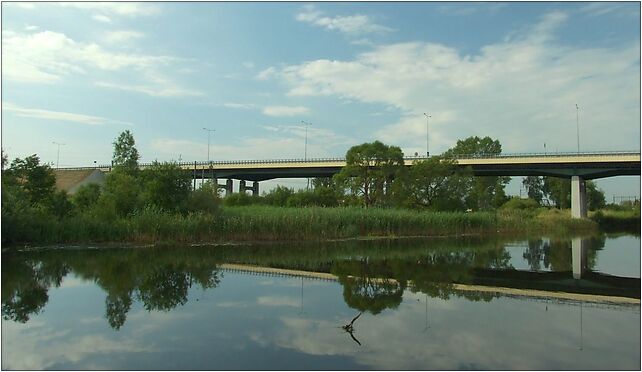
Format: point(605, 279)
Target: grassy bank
point(614, 220)
point(263, 223)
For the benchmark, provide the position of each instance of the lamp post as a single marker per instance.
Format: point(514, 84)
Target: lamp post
point(58, 155)
point(577, 122)
point(305, 150)
point(208, 142)
point(427, 133)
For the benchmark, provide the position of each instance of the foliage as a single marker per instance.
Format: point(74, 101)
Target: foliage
point(436, 183)
point(60, 205)
point(370, 171)
point(165, 185)
point(558, 190)
point(519, 203)
point(205, 199)
point(36, 180)
point(240, 199)
point(86, 196)
point(534, 188)
point(121, 189)
point(125, 153)
point(278, 196)
point(483, 193)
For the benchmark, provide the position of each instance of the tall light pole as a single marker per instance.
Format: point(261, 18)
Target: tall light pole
point(305, 151)
point(208, 142)
point(58, 155)
point(577, 122)
point(427, 133)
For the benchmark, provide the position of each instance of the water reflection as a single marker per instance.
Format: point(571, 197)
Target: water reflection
point(408, 304)
point(374, 274)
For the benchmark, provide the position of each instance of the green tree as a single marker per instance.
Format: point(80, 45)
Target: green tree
point(120, 193)
point(165, 185)
point(86, 196)
point(594, 197)
point(435, 183)
point(534, 187)
point(370, 171)
point(204, 199)
point(558, 190)
point(483, 192)
point(37, 180)
point(278, 196)
point(125, 153)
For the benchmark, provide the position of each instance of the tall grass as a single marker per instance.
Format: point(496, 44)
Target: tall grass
point(266, 223)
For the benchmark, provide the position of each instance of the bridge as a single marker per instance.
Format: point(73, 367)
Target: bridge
point(576, 166)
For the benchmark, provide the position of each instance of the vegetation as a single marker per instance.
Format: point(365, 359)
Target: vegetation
point(374, 195)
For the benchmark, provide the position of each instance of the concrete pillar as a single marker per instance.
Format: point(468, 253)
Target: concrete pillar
point(229, 187)
point(578, 245)
point(255, 188)
point(578, 197)
point(242, 186)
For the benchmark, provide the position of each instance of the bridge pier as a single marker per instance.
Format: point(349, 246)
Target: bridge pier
point(578, 197)
point(229, 184)
point(578, 246)
point(254, 188)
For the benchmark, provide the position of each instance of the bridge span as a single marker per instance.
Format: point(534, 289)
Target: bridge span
point(576, 166)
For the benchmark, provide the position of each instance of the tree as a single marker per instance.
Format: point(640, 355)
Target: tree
point(36, 180)
point(435, 183)
point(483, 192)
point(205, 199)
point(165, 185)
point(86, 196)
point(121, 192)
point(370, 171)
point(534, 187)
point(125, 153)
point(278, 196)
point(594, 197)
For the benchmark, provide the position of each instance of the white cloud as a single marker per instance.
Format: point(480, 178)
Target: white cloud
point(248, 64)
point(521, 91)
point(240, 106)
point(163, 89)
point(31, 28)
point(48, 56)
point(353, 24)
point(128, 9)
point(278, 301)
point(58, 115)
point(123, 36)
point(266, 74)
point(101, 18)
point(285, 110)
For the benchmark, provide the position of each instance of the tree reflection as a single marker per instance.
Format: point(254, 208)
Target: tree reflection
point(557, 255)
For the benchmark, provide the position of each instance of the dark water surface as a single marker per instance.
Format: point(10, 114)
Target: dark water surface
point(468, 303)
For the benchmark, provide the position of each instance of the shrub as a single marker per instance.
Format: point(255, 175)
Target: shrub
point(522, 204)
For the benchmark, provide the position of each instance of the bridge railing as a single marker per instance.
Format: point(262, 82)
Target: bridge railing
point(185, 164)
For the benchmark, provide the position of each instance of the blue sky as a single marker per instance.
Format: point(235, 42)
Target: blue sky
point(80, 73)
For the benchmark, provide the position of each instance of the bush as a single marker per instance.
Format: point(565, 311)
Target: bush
point(205, 199)
point(240, 199)
point(86, 196)
point(521, 204)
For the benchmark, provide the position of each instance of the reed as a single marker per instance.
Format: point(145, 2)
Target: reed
point(266, 223)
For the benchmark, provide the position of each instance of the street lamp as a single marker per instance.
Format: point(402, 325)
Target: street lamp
point(208, 142)
point(58, 155)
point(305, 151)
point(427, 132)
point(577, 121)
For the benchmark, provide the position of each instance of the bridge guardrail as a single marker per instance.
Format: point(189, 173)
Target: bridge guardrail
point(337, 159)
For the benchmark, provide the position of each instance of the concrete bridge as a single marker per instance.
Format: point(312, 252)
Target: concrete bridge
point(576, 166)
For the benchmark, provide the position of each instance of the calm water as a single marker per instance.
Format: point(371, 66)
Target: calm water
point(424, 304)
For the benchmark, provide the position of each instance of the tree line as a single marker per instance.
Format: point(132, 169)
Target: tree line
point(374, 176)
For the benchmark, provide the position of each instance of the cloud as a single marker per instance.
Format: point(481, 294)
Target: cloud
point(48, 56)
point(59, 115)
point(285, 110)
point(240, 106)
point(123, 36)
point(278, 301)
point(128, 9)
point(101, 18)
point(521, 91)
point(248, 64)
point(266, 74)
point(353, 24)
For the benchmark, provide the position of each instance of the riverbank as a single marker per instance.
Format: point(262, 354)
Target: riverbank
point(264, 223)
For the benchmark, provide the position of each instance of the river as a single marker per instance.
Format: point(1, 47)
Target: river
point(441, 303)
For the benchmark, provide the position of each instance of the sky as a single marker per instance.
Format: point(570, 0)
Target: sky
point(80, 73)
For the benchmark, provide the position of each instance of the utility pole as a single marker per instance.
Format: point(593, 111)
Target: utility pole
point(58, 155)
point(577, 121)
point(427, 134)
point(208, 142)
